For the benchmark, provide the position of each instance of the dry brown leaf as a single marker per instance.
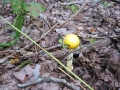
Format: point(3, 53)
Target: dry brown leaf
point(50, 86)
point(22, 73)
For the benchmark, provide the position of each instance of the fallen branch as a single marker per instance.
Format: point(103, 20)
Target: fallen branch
point(49, 79)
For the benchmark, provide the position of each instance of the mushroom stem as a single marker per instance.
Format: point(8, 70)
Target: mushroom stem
point(70, 61)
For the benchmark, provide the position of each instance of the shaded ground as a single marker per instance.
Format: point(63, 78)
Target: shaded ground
point(97, 64)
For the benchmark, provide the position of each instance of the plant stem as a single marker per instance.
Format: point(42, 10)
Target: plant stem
point(70, 61)
point(49, 54)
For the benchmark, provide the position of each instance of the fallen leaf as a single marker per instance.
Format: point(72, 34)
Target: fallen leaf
point(22, 73)
point(25, 53)
point(3, 60)
point(50, 86)
point(36, 71)
point(14, 61)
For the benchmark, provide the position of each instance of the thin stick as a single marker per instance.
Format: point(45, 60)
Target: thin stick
point(66, 74)
point(82, 87)
point(69, 3)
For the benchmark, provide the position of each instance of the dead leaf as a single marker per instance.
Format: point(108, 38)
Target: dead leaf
point(22, 73)
point(26, 53)
point(86, 77)
point(62, 31)
point(78, 17)
point(92, 30)
point(38, 24)
point(3, 60)
point(50, 86)
point(36, 71)
point(95, 58)
point(26, 77)
point(14, 61)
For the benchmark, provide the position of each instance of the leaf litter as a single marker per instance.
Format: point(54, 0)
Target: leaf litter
point(97, 64)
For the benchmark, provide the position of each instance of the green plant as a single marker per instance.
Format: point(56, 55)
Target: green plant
point(106, 4)
point(91, 40)
point(49, 55)
point(23, 64)
point(61, 42)
point(73, 8)
point(17, 6)
point(34, 8)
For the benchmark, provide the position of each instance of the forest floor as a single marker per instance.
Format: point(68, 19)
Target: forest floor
point(98, 63)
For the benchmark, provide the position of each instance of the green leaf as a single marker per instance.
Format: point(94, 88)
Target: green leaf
point(60, 41)
point(18, 23)
point(8, 44)
point(107, 4)
point(4, 45)
point(74, 8)
point(104, 4)
point(23, 64)
point(34, 9)
point(110, 19)
point(92, 40)
point(17, 6)
point(65, 45)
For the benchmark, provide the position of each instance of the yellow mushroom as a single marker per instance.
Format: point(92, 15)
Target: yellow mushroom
point(72, 41)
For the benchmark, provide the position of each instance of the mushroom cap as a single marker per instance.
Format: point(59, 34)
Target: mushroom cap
point(71, 40)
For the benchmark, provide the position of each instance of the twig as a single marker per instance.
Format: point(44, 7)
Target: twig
point(74, 2)
point(74, 14)
point(66, 74)
point(50, 48)
point(49, 79)
point(56, 46)
point(82, 87)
